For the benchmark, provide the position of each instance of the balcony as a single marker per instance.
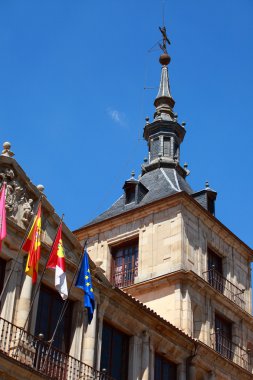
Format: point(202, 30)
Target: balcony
point(33, 353)
point(231, 351)
point(123, 278)
point(225, 287)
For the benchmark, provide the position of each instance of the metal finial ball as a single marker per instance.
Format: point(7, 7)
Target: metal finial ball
point(6, 145)
point(147, 118)
point(207, 184)
point(164, 59)
point(41, 188)
point(133, 173)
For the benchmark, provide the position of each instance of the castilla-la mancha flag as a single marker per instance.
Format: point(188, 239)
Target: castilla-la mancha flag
point(2, 215)
point(57, 261)
point(32, 246)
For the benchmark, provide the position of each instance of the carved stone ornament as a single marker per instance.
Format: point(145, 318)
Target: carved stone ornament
point(19, 205)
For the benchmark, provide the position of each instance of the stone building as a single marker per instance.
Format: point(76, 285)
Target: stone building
point(172, 284)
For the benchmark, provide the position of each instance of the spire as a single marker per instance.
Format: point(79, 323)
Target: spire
point(164, 102)
point(164, 134)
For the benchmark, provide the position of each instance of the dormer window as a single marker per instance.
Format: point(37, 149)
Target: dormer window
point(130, 193)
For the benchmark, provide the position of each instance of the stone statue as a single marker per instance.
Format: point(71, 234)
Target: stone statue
point(27, 211)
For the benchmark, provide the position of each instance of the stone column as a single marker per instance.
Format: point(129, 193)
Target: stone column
point(78, 322)
point(192, 371)
point(101, 311)
point(134, 358)
point(186, 322)
point(152, 363)
point(24, 302)
point(89, 345)
point(145, 356)
point(9, 296)
point(181, 371)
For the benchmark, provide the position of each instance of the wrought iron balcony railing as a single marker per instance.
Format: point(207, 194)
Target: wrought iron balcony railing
point(222, 344)
point(34, 354)
point(124, 278)
point(227, 288)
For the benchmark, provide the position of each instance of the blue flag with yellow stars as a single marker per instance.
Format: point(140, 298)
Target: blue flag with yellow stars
point(84, 282)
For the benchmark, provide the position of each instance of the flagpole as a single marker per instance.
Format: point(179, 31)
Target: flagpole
point(64, 308)
point(20, 250)
point(37, 288)
point(41, 277)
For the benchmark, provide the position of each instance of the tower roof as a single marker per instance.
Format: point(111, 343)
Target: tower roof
point(161, 174)
point(159, 184)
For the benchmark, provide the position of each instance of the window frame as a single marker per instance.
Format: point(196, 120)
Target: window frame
point(124, 359)
point(223, 337)
point(215, 269)
point(65, 325)
point(164, 361)
point(129, 268)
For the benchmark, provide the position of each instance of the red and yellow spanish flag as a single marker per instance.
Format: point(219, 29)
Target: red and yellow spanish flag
point(57, 261)
point(32, 246)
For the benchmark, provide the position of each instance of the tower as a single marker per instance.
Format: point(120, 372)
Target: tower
point(161, 243)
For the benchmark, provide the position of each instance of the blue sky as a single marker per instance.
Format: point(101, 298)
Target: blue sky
point(73, 104)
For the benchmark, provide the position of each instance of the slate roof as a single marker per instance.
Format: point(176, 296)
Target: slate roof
point(160, 183)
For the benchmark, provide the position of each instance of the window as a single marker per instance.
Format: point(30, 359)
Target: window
point(164, 369)
point(49, 310)
point(223, 335)
point(124, 264)
point(215, 275)
point(114, 352)
point(166, 146)
point(155, 148)
point(130, 192)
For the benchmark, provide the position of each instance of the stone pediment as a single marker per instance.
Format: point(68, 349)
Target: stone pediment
point(22, 198)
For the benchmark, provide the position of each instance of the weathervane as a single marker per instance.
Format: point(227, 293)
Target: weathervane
point(165, 40)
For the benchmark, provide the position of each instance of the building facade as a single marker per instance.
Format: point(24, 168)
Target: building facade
point(172, 284)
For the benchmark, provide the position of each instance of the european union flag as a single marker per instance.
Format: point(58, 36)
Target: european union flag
point(84, 282)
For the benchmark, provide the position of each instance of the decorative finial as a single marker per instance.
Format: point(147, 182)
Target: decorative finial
point(147, 120)
point(6, 151)
point(183, 123)
point(99, 262)
point(145, 160)
point(165, 39)
point(132, 173)
point(186, 168)
point(164, 58)
point(207, 185)
point(41, 188)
